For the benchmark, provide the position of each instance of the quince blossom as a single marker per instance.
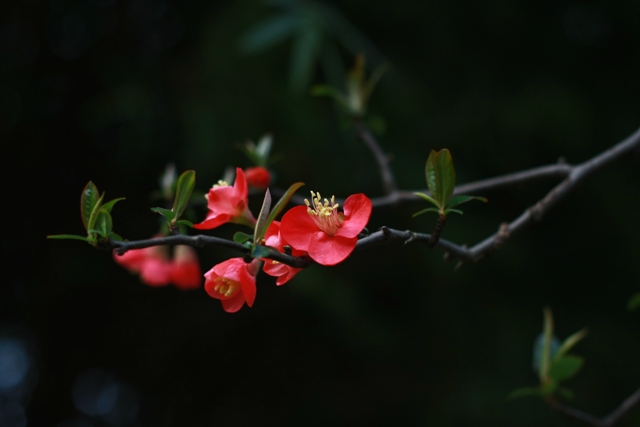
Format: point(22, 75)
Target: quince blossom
point(228, 204)
point(258, 177)
point(156, 269)
point(233, 282)
point(329, 236)
point(283, 272)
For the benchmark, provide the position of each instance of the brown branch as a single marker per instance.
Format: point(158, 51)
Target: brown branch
point(388, 180)
point(610, 420)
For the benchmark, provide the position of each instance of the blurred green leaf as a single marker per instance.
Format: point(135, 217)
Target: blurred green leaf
point(184, 188)
point(259, 251)
point(167, 213)
point(569, 343)
point(634, 302)
point(524, 392)
point(565, 367)
point(269, 33)
point(458, 200)
point(306, 47)
point(425, 211)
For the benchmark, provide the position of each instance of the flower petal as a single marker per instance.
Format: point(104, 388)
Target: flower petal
point(297, 227)
point(234, 303)
point(357, 210)
point(331, 250)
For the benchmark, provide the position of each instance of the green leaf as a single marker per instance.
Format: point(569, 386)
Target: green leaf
point(427, 198)
point(259, 251)
point(549, 388)
point(569, 343)
point(331, 92)
point(88, 201)
point(282, 203)
point(537, 350)
point(306, 47)
point(104, 223)
point(523, 392)
point(261, 222)
point(167, 213)
point(565, 367)
point(185, 222)
point(634, 302)
point(457, 200)
point(240, 237)
point(446, 211)
point(441, 177)
point(67, 236)
point(109, 205)
point(269, 33)
point(184, 188)
point(91, 223)
point(436, 210)
point(263, 148)
point(115, 237)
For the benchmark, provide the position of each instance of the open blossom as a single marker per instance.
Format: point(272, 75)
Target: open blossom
point(228, 204)
point(258, 177)
point(233, 282)
point(283, 272)
point(319, 228)
point(156, 268)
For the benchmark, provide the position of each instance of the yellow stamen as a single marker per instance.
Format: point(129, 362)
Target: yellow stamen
point(324, 213)
point(226, 287)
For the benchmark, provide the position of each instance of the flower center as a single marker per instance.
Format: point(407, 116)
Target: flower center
point(221, 183)
point(226, 287)
point(324, 213)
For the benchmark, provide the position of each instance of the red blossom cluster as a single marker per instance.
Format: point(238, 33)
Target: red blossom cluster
point(318, 230)
point(156, 268)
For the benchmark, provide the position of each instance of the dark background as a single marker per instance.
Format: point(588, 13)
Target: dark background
point(114, 90)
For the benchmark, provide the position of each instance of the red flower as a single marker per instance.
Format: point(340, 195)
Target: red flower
point(228, 204)
point(327, 235)
point(283, 272)
point(185, 268)
point(258, 177)
point(156, 269)
point(233, 282)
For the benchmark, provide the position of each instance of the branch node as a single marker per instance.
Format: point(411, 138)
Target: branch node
point(502, 236)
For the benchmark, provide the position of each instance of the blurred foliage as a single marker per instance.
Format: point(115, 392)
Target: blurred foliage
point(114, 90)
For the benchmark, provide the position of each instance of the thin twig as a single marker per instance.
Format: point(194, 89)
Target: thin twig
point(610, 420)
point(388, 180)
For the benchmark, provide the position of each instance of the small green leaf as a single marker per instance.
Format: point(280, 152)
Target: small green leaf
point(259, 251)
point(115, 237)
point(282, 203)
point(446, 211)
point(427, 198)
point(634, 302)
point(240, 237)
point(167, 213)
point(67, 236)
point(88, 201)
point(104, 223)
point(537, 351)
point(184, 188)
point(436, 210)
point(261, 222)
point(441, 177)
point(263, 148)
point(523, 392)
point(570, 342)
point(565, 367)
point(331, 92)
point(457, 200)
point(93, 216)
point(109, 205)
point(185, 222)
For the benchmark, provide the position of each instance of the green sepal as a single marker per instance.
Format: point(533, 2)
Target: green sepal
point(261, 222)
point(259, 251)
point(565, 367)
point(184, 187)
point(441, 176)
point(240, 237)
point(67, 236)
